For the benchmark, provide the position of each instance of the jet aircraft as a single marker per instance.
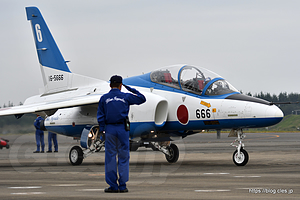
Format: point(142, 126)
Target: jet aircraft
point(182, 100)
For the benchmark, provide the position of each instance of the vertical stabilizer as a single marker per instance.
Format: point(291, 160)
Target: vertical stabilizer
point(55, 72)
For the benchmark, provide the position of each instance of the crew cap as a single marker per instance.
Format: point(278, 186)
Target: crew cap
point(116, 79)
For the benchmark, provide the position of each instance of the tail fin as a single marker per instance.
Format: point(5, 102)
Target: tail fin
point(48, 52)
point(54, 69)
point(56, 74)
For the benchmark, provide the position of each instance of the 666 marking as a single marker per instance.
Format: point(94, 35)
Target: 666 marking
point(203, 113)
point(59, 77)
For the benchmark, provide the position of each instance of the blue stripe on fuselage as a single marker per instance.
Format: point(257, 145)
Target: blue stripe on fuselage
point(221, 124)
point(143, 128)
point(68, 130)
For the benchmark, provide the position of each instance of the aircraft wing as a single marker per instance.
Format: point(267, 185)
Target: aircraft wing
point(51, 105)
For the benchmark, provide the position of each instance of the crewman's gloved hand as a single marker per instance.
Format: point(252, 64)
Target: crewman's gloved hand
point(127, 87)
point(130, 89)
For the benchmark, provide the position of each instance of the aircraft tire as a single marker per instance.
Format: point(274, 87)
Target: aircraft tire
point(133, 146)
point(243, 160)
point(76, 155)
point(173, 149)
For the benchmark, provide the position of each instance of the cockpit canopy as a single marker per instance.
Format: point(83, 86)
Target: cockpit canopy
point(193, 79)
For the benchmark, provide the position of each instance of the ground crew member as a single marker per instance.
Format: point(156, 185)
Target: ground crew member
point(52, 136)
point(39, 135)
point(112, 112)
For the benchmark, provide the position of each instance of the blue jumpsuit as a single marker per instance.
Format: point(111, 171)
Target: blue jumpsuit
point(52, 136)
point(113, 108)
point(39, 134)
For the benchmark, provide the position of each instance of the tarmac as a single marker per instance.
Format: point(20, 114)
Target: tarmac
point(205, 170)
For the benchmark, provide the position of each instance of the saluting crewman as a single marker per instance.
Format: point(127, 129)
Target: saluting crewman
point(112, 116)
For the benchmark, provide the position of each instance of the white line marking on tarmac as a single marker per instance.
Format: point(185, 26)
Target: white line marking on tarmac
point(89, 190)
point(68, 185)
point(212, 190)
point(27, 193)
point(28, 187)
point(215, 173)
point(245, 188)
point(247, 176)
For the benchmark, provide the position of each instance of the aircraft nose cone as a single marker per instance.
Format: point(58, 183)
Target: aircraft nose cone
point(279, 113)
point(275, 113)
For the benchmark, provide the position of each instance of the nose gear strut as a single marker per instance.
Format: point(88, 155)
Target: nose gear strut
point(240, 156)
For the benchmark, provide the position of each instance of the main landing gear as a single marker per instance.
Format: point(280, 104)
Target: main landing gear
point(95, 141)
point(166, 147)
point(240, 156)
point(169, 149)
point(76, 155)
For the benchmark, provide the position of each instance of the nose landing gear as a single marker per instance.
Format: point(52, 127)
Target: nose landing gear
point(240, 159)
point(240, 156)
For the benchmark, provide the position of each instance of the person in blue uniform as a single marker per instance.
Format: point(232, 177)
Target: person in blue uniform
point(52, 136)
point(112, 112)
point(39, 135)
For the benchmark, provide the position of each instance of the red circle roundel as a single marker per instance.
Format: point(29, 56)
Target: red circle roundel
point(182, 114)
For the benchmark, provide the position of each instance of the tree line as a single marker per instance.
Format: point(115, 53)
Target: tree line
point(10, 104)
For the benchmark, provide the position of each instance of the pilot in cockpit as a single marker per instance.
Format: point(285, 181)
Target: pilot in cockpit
point(207, 79)
point(162, 76)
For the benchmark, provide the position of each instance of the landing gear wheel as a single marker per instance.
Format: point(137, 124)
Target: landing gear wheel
point(174, 153)
point(133, 146)
point(242, 160)
point(76, 155)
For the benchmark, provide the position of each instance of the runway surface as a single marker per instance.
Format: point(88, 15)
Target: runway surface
point(205, 170)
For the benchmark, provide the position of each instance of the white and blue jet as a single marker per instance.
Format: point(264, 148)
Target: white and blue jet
point(182, 100)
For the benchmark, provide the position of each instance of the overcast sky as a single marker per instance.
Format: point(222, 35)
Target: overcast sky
point(253, 44)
